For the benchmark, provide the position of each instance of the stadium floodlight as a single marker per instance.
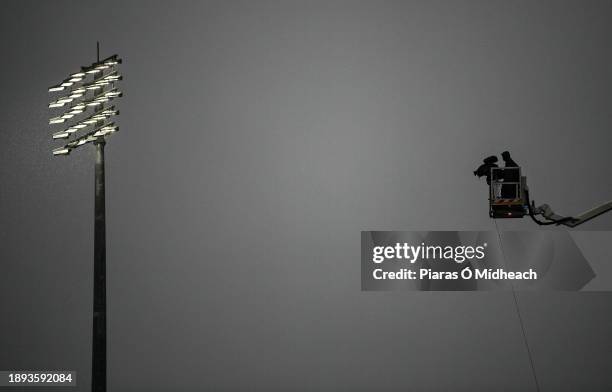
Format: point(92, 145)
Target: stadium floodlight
point(98, 116)
point(61, 135)
point(61, 151)
point(87, 110)
point(96, 68)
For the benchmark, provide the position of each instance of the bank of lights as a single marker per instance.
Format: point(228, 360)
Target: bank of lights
point(86, 104)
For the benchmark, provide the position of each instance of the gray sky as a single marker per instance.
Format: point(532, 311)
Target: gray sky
point(258, 138)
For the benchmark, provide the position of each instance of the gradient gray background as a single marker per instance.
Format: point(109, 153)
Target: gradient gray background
point(258, 139)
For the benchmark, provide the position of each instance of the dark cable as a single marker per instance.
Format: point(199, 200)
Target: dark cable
point(539, 222)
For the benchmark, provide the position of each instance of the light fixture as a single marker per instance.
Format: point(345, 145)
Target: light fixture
point(93, 69)
point(61, 151)
point(61, 135)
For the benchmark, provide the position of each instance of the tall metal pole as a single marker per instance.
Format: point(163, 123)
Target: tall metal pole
point(98, 374)
point(96, 127)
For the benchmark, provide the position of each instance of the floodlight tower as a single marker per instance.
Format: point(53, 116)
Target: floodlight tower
point(89, 95)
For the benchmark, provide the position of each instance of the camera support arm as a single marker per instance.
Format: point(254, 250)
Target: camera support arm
point(571, 221)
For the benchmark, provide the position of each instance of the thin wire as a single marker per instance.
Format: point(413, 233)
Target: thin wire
point(518, 312)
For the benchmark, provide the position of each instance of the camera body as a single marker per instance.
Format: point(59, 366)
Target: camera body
point(484, 170)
